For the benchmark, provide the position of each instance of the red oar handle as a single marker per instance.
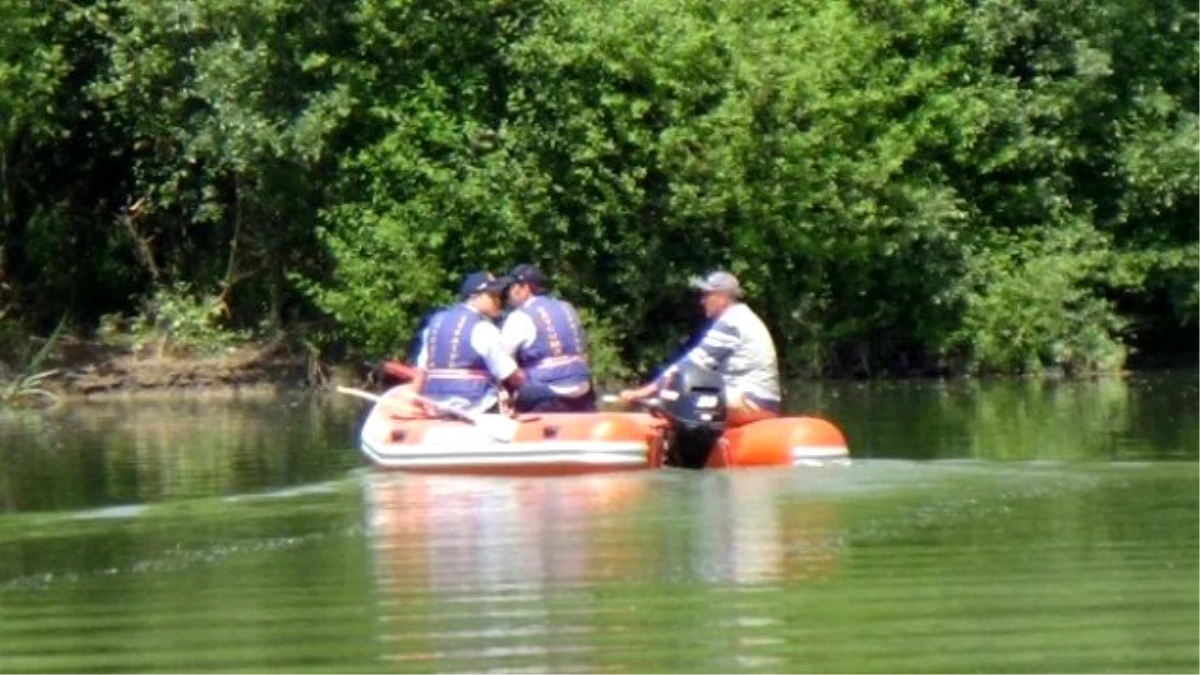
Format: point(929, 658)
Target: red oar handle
point(400, 371)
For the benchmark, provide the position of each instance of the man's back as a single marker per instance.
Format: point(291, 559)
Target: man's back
point(739, 346)
point(463, 358)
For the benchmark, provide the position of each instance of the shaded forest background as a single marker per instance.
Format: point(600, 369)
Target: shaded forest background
point(903, 186)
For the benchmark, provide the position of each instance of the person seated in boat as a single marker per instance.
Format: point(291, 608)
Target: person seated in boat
point(390, 373)
point(462, 359)
point(547, 339)
point(735, 344)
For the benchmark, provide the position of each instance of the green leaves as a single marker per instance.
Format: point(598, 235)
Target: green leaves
point(1029, 305)
point(901, 186)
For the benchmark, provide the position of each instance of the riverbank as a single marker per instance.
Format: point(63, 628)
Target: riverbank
point(90, 369)
point(93, 369)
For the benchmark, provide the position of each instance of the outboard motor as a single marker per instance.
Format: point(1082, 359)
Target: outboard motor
point(694, 399)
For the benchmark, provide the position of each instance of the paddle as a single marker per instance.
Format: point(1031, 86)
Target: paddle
point(498, 427)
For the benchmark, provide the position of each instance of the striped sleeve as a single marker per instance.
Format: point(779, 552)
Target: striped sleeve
point(714, 349)
point(717, 345)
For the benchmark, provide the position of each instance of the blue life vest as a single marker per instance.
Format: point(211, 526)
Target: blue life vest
point(558, 354)
point(453, 367)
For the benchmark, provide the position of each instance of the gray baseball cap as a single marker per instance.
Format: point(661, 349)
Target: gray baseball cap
point(717, 282)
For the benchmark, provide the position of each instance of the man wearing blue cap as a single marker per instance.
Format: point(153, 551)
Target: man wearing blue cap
point(547, 339)
point(463, 359)
point(737, 345)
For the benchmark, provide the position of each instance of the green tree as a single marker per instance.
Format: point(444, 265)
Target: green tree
point(232, 109)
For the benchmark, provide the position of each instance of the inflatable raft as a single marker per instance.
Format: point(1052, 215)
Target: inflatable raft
point(404, 432)
point(397, 435)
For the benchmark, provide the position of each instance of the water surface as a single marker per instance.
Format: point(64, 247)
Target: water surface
point(1003, 526)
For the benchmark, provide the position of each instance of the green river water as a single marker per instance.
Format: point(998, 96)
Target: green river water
point(1006, 526)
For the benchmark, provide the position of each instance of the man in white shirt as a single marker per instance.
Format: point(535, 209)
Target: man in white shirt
point(462, 356)
point(737, 345)
point(546, 337)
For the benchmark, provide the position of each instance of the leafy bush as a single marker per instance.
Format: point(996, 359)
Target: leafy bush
point(179, 319)
point(26, 386)
point(604, 354)
point(1033, 304)
point(889, 179)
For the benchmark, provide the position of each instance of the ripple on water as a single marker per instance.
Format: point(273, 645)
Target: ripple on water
point(957, 565)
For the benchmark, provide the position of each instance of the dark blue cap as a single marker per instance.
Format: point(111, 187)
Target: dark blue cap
point(527, 273)
point(481, 282)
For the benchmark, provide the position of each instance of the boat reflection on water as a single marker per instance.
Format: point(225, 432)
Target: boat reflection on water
point(501, 573)
point(460, 535)
point(758, 528)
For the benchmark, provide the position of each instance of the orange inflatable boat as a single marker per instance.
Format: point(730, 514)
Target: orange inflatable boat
point(400, 435)
point(685, 428)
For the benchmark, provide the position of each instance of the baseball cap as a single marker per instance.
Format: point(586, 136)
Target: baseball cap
point(527, 273)
point(481, 282)
point(717, 282)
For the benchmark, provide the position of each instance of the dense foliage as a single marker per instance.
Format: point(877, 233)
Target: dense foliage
point(902, 186)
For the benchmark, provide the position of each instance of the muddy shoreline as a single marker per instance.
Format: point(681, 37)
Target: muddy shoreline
point(96, 370)
point(93, 370)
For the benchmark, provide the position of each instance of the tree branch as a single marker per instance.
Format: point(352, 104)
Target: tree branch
point(141, 243)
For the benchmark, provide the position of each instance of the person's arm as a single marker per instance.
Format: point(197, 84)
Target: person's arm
point(518, 332)
point(422, 361)
point(650, 388)
point(644, 391)
point(714, 349)
point(718, 345)
point(485, 339)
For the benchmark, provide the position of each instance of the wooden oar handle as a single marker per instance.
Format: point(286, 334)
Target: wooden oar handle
point(359, 393)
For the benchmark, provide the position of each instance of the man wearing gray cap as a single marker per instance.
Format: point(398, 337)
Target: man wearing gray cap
point(737, 345)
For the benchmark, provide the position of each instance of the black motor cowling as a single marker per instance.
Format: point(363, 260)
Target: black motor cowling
point(694, 399)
